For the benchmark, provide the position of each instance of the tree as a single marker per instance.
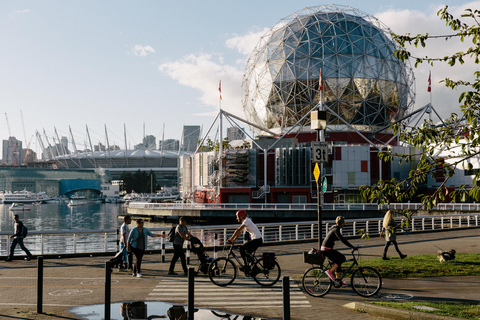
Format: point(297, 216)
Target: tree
point(458, 136)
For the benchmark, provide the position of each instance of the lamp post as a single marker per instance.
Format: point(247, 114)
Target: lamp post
point(319, 155)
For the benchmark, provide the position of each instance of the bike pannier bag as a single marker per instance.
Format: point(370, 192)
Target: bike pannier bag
point(269, 260)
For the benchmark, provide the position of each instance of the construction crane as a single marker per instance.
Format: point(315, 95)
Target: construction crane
point(25, 139)
point(13, 145)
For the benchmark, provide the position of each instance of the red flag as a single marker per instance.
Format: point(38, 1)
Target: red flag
point(429, 89)
point(320, 80)
point(220, 88)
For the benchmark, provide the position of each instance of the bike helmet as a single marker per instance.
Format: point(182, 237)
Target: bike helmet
point(241, 213)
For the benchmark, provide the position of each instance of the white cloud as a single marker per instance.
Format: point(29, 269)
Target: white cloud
point(203, 72)
point(415, 22)
point(245, 43)
point(18, 13)
point(142, 51)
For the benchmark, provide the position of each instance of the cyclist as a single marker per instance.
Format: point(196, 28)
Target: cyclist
point(255, 238)
point(327, 249)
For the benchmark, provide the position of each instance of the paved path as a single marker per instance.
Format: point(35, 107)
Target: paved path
point(79, 281)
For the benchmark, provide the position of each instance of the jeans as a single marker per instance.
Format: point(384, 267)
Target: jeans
point(178, 253)
point(137, 266)
point(14, 244)
point(127, 256)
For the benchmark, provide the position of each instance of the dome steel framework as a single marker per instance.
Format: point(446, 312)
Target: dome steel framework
point(362, 81)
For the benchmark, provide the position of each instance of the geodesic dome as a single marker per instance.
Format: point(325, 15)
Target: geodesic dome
point(363, 83)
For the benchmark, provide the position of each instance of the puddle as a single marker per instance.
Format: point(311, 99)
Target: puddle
point(153, 310)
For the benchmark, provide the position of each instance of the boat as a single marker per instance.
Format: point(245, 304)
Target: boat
point(150, 197)
point(23, 197)
point(19, 207)
point(77, 203)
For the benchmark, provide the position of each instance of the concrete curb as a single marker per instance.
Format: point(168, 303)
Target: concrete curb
point(394, 313)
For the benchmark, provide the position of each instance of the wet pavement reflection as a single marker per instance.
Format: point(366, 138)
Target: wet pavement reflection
point(153, 310)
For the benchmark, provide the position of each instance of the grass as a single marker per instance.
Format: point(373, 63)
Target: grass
point(468, 264)
point(451, 309)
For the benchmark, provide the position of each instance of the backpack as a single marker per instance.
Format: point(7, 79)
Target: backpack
point(24, 232)
point(171, 234)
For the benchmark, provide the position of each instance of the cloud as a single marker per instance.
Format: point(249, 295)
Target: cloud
point(18, 13)
point(245, 43)
point(142, 51)
point(202, 72)
point(415, 22)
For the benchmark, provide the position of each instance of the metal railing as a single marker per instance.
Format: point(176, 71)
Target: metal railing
point(302, 206)
point(97, 241)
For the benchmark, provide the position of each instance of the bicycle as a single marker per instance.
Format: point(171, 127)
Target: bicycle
point(365, 281)
point(265, 271)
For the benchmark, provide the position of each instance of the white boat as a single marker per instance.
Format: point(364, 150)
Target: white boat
point(23, 197)
point(151, 197)
point(77, 203)
point(20, 207)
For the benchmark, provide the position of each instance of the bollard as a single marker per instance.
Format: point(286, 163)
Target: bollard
point(215, 243)
point(188, 253)
point(191, 293)
point(163, 247)
point(39, 285)
point(108, 289)
point(286, 298)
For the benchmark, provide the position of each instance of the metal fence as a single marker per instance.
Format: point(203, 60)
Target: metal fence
point(97, 241)
point(301, 206)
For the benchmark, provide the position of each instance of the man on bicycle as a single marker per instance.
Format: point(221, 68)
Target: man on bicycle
point(327, 249)
point(255, 238)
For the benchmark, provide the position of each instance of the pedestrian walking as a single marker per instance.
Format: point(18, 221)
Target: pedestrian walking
point(138, 241)
point(389, 230)
point(124, 233)
point(19, 234)
point(181, 234)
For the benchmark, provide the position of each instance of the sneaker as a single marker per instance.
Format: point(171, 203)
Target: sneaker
point(139, 275)
point(245, 268)
point(172, 273)
point(344, 284)
point(403, 256)
point(385, 258)
point(134, 274)
point(330, 275)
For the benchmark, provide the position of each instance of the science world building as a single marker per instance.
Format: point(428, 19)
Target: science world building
point(335, 57)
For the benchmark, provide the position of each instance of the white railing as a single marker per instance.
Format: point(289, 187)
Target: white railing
point(301, 206)
point(95, 241)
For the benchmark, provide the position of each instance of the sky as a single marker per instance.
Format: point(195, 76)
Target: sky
point(143, 64)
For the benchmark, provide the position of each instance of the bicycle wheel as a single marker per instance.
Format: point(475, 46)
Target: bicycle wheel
point(315, 282)
point(366, 281)
point(266, 277)
point(222, 272)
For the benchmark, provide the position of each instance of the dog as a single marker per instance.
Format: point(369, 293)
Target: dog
point(445, 256)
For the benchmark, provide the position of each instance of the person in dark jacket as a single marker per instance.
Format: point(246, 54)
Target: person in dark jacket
point(327, 249)
point(18, 239)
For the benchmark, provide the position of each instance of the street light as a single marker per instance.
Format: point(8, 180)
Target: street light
point(318, 121)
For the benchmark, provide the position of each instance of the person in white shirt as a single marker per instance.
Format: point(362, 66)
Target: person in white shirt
point(124, 233)
point(255, 237)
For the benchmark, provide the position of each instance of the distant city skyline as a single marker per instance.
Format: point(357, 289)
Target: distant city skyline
point(153, 63)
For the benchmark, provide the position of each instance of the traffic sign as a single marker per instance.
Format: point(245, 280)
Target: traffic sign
point(320, 152)
point(324, 186)
point(316, 172)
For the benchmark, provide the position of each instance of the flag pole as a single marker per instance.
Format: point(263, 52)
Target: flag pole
point(430, 91)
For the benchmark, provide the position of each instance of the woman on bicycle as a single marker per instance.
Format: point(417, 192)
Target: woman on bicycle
point(255, 237)
point(327, 249)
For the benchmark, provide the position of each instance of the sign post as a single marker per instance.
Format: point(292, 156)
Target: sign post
point(316, 174)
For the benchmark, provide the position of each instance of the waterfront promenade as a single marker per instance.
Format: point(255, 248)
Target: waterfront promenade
point(79, 281)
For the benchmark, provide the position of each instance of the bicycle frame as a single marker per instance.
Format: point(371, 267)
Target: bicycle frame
point(354, 263)
point(231, 254)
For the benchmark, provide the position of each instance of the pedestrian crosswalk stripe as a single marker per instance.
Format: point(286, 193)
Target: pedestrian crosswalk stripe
point(238, 295)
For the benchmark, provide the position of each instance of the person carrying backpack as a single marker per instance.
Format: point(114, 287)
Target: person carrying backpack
point(20, 232)
point(181, 234)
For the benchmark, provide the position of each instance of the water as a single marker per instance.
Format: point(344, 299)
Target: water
point(152, 310)
point(48, 217)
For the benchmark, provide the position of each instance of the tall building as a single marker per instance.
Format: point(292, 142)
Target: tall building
point(234, 133)
point(12, 151)
point(190, 137)
point(169, 144)
point(150, 142)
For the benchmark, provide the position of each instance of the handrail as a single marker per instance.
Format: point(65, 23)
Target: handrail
point(106, 240)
